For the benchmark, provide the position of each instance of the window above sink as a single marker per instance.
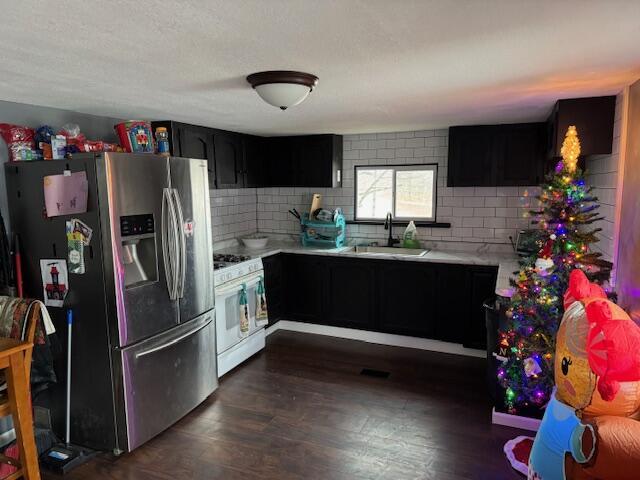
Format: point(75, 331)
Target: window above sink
point(407, 191)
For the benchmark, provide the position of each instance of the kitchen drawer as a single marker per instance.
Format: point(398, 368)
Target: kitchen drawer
point(167, 376)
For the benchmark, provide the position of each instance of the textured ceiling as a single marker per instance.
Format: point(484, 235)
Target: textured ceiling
point(383, 65)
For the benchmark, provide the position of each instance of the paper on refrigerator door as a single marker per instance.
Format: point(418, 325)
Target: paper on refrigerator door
point(55, 281)
point(66, 194)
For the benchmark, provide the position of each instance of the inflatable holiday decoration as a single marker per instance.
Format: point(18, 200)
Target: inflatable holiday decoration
point(591, 427)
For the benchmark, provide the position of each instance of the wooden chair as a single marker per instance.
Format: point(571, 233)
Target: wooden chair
point(15, 361)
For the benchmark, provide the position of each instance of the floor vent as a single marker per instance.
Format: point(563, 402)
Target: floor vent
point(370, 372)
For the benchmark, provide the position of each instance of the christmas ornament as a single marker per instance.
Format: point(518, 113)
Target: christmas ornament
point(544, 261)
point(570, 150)
point(531, 367)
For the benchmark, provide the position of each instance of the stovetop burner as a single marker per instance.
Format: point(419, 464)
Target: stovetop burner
point(230, 258)
point(222, 260)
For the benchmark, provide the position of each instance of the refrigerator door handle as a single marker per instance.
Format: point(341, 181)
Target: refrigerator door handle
point(169, 243)
point(173, 341)
point(182, 245)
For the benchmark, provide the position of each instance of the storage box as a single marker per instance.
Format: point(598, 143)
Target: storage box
point(135, 136)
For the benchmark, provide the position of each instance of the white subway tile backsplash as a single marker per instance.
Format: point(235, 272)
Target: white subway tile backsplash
point(495, 201)
point(484, 212)
point(494, 222)
point(462, 212)
point(473, 201)
point(506, 191)
point(477, 214)
point(471, 211)
point(473, 222)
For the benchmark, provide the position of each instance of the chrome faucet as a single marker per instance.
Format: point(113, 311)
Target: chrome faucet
point(388, 225)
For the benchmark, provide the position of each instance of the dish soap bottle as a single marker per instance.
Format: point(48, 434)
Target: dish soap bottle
point(409, 238)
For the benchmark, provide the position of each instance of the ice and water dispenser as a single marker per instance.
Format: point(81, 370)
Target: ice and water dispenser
point(139, 254)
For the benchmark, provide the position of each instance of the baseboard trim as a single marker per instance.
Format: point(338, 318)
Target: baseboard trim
point(515, 421)
point(376, 337)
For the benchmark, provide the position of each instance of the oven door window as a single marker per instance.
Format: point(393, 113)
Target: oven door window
point(228, 314)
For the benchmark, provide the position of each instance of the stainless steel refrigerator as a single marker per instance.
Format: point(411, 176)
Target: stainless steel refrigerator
point(144, 334)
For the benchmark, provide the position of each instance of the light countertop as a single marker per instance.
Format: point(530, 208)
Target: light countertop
point(507, 263)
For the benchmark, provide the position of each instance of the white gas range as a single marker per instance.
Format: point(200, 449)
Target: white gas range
point(234, 274)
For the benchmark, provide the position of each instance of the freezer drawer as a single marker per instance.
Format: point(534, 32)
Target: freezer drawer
point(167, 376)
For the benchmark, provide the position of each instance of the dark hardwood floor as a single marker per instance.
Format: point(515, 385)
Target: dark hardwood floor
point(302, 410)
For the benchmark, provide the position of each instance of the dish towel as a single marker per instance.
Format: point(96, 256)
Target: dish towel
point(262, 316)
point(243, 325)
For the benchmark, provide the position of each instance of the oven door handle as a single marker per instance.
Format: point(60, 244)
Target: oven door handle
point(222, 292)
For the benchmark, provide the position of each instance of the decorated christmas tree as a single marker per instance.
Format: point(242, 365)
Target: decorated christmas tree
point(566, 211)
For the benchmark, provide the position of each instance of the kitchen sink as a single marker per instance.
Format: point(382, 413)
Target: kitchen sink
point(410, 252)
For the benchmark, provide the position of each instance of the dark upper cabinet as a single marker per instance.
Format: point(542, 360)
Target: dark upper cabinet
point(305, 281)
point(496, 155)
point(317, 160)
point(254, 161)
point(593, 117)
point(191, 141)
point(305, 161)
point(518, 151)
point(238, 160)
point(228, 152)
point(406, 298)
point(350, 293)
point(196, 142)
point(274, 285)
point(279, 170)
point(470, 156)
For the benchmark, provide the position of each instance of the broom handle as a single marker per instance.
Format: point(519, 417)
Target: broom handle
point(68, 416)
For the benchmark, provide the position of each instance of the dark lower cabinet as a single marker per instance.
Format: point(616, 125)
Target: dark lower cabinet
point(481, 282)
point(305, 286)
point(406, 298)
point(350, 293)
point(452, 309)
point(419, 299)
point(274, 285)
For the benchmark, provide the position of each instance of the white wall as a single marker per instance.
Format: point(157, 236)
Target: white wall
point(477, 215)
point(602, 174)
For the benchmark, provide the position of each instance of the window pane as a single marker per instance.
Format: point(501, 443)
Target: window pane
point(414, 193)
point(375, 192)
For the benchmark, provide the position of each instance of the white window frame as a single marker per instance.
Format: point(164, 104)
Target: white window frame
point(395, 168)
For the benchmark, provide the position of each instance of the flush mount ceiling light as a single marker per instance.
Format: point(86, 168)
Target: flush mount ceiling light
point(283, 88)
